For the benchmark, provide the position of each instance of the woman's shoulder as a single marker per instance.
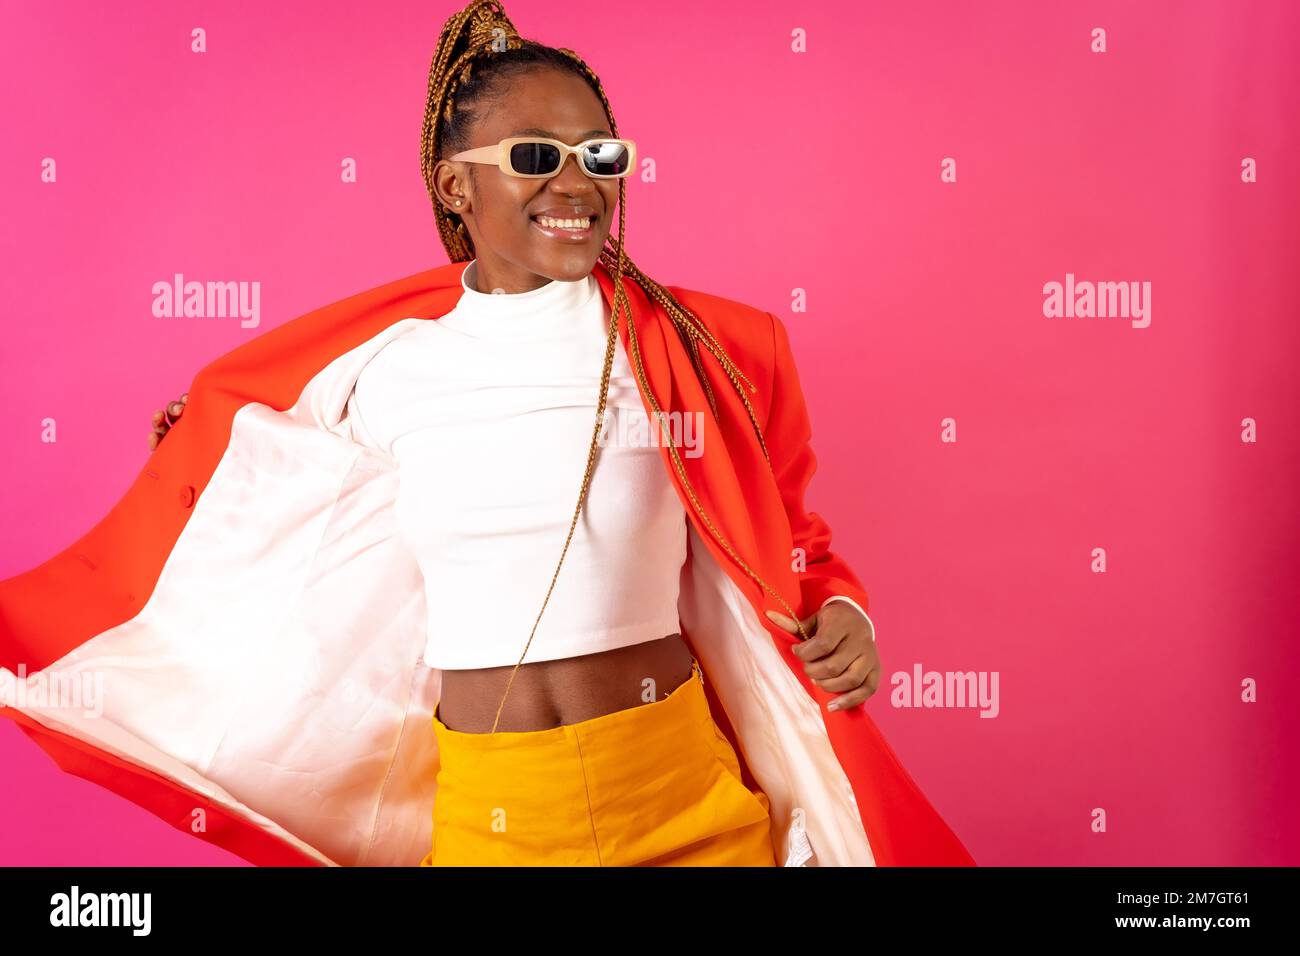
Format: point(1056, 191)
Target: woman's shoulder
point(739, 326)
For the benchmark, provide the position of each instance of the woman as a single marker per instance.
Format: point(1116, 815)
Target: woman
point(610, 753)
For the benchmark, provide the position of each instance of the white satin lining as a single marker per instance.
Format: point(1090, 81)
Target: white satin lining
point(276, 666)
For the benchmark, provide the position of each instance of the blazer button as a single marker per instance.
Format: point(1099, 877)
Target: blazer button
point(187, 496)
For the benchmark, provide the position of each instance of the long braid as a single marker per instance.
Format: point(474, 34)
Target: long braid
point(478, 47)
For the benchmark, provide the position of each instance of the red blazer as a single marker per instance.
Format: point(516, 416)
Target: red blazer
point(248, 629)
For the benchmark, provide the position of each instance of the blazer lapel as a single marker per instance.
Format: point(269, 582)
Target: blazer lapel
point(712, 473)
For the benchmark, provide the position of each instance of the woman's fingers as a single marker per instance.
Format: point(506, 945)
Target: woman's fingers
point(164, 419)
point(788, 624)
point(158, 430)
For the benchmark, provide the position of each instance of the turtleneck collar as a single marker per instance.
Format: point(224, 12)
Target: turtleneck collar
point(490, 313)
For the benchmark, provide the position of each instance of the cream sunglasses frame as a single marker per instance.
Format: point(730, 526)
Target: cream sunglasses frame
point(499, 155)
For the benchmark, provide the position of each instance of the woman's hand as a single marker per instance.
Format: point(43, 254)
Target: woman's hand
point(163, 420)
point(840, 654)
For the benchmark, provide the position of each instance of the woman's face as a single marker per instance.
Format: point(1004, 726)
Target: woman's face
point(515, 252)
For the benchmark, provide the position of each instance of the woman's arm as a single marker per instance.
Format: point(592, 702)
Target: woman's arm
point(840, 654)
point(826, 575)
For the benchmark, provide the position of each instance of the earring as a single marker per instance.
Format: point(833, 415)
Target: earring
point(457, 202)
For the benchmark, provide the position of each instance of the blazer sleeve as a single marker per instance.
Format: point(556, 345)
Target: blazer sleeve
point(826, 576)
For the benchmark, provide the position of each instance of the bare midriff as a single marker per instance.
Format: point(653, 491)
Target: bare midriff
point(548, 694)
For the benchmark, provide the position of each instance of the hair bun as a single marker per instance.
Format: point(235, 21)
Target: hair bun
point(489, 23)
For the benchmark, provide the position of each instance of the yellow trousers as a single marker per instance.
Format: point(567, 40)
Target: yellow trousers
point(653, 785)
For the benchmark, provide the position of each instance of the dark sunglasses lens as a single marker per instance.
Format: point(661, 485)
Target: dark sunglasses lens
point(533, 159)
point(606, 158)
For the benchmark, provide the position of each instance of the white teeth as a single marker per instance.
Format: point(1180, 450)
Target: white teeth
point(550, 223)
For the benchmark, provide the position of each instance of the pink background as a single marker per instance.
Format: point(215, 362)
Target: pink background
point(1119, 690)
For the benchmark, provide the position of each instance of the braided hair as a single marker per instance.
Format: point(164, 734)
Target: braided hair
point(478, 52)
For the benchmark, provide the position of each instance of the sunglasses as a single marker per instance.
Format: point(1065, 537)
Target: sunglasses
point(536, 157)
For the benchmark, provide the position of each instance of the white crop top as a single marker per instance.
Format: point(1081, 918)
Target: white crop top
point(488, 412)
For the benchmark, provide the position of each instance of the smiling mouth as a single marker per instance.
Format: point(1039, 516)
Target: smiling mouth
point(572, 224)
point(567, 230)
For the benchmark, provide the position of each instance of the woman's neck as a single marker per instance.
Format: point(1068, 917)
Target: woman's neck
point(489, 278)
